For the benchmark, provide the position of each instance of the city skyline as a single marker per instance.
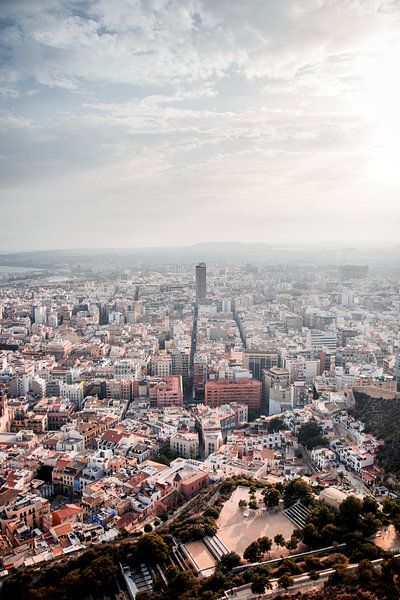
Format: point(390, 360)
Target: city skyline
point(169, 123)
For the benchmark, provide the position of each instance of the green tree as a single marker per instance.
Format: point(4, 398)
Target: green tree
point(265, 543)
point(151, 548)
point(330, 533)
point(311, 435)
point(370, 525)
point(338, 576)
point(279, 539)
point(314, 575)
point(229, 561)
point(253, 552)
point(216, 582)
point(320, 516)
point(350, 511)
point(253, 505)
point(285, 581)
point(391, 508)
point(298, 489)
point(312, 563)
point(366, 573)
point(183, 582)
point(171, 572)
point(289, 566)
point(336, 560)
point(276, 424)
point(369, 505)
point(390, 577)
point(272, 497)
point(311, 536)
point(259, 583)
point(291, 544)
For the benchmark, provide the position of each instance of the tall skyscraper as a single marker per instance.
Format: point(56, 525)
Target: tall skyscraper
point(201, 281)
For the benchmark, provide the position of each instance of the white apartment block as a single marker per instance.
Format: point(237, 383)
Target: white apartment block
point(185, 444)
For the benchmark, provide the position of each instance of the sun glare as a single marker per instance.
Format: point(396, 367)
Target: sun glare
point(380, 104)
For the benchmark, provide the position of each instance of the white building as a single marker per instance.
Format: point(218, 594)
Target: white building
point(126, 368)
point(185, 444)
point(318, 341)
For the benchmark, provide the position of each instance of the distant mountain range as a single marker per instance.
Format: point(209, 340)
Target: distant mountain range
point(237, 252)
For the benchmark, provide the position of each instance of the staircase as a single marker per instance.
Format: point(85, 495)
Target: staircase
point(297, 513)
point(215, 546)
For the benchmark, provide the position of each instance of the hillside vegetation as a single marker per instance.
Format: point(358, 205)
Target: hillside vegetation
point(382, 418)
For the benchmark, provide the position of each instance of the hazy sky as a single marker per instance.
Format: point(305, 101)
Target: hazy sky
point(156, 122)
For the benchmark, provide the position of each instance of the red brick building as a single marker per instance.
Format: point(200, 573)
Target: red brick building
point(222, 391)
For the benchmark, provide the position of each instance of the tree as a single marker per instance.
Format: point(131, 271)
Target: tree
point(212, 512)
point(147, 528)
point(216, 582)
point(297, 489)
point(253, 505)
point(311, 536)
point(330, 533)
point(370, 525)
point(289, 566)
point(311, 435)
point(291, 544)
point(336, 560)
point(338, 576)
point(285, 581)
point(366, 550)
point(166, 455)
point(314, 575)
point(369, 505)
point(312, 563)
point(229, 561)
point(265, 543)
point(276, 424)
point(259, 583)
point(350, 510)
point(183, 582)
point(272, 497)
point(279, 539)
point(145, 595)
point(391, 577)
point(253, 552)
point(320, 516)
point(171, 572)
point(242, 503)
point(152, 548)
point(391, 508)
point(366, 572)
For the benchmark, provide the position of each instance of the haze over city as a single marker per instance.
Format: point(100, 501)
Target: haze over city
point(167, 123)
point(199, 299)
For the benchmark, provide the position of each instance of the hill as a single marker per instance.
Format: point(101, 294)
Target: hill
point(380, 411)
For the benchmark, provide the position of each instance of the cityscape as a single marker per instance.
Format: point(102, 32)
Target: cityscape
point(232, 414)
point(199, 300)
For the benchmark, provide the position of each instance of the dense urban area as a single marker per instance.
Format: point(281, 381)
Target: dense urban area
point(203, 431)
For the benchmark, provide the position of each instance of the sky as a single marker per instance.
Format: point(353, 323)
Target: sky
point(128, 123)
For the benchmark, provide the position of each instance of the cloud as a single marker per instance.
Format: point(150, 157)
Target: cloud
point(127, 115)
point(60, 44)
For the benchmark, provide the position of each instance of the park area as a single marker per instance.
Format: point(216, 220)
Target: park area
point(237, 531)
